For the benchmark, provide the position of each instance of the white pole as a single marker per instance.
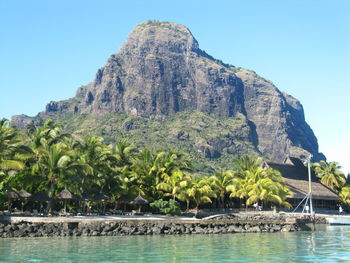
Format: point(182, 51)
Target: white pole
point(310, 188)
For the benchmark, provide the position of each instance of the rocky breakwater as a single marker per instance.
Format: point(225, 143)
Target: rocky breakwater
point(122, 227)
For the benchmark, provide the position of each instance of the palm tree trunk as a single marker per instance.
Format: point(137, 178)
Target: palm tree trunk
point(49, 205)
point(197, 208)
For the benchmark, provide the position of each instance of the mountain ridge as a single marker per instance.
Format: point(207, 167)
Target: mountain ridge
point(160, 71)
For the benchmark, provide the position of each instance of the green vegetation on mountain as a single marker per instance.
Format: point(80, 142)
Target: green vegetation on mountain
point(208, 141)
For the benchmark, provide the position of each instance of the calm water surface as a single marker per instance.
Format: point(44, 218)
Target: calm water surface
point(330, 244)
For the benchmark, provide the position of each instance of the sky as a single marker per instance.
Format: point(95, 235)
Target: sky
point(50, 48)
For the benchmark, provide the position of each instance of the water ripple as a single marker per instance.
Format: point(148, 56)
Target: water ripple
point(331, 244)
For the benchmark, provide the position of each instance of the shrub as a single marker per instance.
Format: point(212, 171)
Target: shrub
point(171, 207)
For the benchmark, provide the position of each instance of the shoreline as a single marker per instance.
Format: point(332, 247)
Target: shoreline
point(21, 226)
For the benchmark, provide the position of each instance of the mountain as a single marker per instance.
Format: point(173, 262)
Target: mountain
point(162, 90)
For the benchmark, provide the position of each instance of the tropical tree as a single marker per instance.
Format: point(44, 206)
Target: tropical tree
point(146, 171)
point(222, 183)
point(200, 191)
point(267, 190)
point(152, 169)
point(344, 195)
point(184, 194)
point(13, 151)
point(101, 174)
point(124, 153)
point(330, 174)
point(47, 134)
point(57, 167)
point(246, 162)
point(259, 184)
point(174, 183)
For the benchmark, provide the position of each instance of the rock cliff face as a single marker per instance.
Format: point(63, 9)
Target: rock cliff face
point(160, 71)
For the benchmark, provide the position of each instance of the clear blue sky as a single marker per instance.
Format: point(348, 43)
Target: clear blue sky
point(50, 48)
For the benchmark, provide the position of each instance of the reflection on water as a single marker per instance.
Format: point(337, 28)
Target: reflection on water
point(328, 244)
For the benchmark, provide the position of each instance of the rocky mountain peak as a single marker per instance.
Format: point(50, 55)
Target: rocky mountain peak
point(160, 71)
point(159, 38)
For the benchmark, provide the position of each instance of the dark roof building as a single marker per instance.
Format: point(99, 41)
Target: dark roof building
point(295, 174)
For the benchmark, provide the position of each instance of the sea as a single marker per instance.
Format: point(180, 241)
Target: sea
point(324, 244)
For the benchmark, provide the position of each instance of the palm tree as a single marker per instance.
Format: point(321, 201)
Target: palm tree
point(330, 174)
point(246, 162)
point(147, 172)
point(47, 134)
point(344, 195)
point(124, 152)
point(13, 152)
point(153, 169)
point(173, 184)
point(241, 189)
point(267, 190)
point(184, 195)
point(245, 167)
point(101, 173)
point(222, 183)
point(56, 164)
point(200, 191)
point(258, 184)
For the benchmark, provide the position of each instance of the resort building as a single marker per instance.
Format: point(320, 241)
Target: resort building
point(296, 178)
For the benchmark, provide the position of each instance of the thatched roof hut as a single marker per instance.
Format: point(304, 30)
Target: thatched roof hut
point(139, 200)
point(12, 194)
point(40, 197)
point(24, 194)
point(86, 197)
point(65, 194)
point(296, 177)
point(125, 199)
point(101, 197)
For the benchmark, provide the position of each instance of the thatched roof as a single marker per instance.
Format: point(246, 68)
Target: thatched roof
point(296, 178)
point(24, 194)
point(85, 197)
point(139, 200)
point(12, 194)
point(101, 196)
point(65, 194)
point(41, 197)
point(125, 198)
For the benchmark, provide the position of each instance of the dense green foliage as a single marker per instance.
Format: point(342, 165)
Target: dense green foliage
point(331, 176)
point(49, 160)
point(171, 207)
point(257, 184)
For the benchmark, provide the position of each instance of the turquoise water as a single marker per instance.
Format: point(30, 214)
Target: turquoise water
point(331, 244)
